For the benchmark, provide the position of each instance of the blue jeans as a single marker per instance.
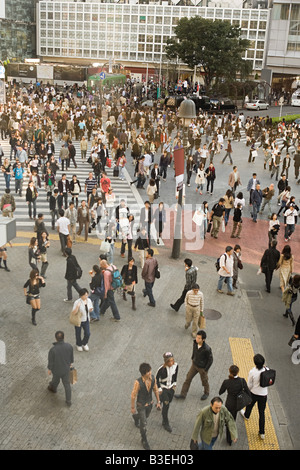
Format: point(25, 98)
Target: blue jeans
point(226, 216)
point(96, 310)
point(85, 326)
point(109, 301)
point(289, 229)
point(7, 180)
point(32, 205)
point(148, 291)
point(228, 281)
point(256, 208)
point(203, 446)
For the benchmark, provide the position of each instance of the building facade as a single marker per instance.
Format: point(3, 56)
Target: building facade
point(283, 56)
point(87, 32)
point(17, 29)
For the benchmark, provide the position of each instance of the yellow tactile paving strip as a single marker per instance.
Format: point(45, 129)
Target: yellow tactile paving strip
point(54, 236)
point(242, 355)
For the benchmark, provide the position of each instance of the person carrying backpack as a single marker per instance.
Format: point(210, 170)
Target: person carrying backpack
point(259, 393)
point(225, 270)
point(109, 272)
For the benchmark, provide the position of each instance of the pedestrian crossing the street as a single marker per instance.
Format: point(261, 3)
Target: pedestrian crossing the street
point(121, 188)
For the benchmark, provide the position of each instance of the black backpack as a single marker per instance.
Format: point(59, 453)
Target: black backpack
point(267, 377)
point(217, 263)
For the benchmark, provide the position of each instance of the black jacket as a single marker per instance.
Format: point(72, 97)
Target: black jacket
point(234, 387)
point(96, 281)
point(269, 259)
point(129, 276)
point(202, 357)
point(60, 357)
point(71, 272)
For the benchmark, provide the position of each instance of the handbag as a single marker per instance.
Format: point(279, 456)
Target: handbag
point(73, 376)
point(202, 322)
point(157, 272)
point(209, 227)
point(75, 318)
point(242, 399)
point(105, 247)
point(194, 445)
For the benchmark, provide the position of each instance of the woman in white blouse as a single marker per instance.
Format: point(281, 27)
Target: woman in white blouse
point(82, 308)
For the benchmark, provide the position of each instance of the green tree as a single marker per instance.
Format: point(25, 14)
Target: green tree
point(214, 46)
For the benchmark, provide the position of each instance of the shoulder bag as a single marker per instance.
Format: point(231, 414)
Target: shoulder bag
point(75, 318)
point(242, 399)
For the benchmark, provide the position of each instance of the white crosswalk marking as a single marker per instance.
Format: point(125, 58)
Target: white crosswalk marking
point(122, 190)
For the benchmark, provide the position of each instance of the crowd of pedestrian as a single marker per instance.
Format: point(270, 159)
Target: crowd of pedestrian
point(37, 117)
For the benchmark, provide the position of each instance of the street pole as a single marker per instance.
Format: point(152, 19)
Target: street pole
point(187, 112)
point(176, 249)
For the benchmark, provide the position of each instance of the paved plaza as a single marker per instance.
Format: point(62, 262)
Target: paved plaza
point(31, 418)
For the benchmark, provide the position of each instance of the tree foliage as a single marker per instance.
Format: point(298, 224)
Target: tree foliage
point(216, 46)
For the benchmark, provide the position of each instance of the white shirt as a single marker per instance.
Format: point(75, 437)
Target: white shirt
point(254, 382)
point(62, 224)
point(226, 261)
point(84, 315)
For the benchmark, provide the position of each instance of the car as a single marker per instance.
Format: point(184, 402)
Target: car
point(222, 106)
point(201, 102)
point(257, 105)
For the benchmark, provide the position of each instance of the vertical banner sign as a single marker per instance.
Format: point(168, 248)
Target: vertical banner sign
point(178, 156)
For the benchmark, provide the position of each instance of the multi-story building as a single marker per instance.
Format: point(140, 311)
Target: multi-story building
point(132, 33)
point(17, 29)
point(283, 56)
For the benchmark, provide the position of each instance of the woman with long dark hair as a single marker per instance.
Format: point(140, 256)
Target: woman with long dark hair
point(285, 266)
point(32, 292)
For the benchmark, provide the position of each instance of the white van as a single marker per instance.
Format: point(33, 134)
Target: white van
point(296, 98)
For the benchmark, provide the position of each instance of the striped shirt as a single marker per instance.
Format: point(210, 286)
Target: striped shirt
point(90, 183)
point(194, 300)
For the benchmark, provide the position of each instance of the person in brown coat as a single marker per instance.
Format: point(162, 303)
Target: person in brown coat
point(234, 179)
point(148, 274)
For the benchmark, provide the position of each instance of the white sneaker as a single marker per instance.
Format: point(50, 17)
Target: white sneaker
point(262, 436)
point(85, 347)
point(79, 348)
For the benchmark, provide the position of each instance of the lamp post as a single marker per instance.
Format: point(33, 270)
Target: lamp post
point(187, 112)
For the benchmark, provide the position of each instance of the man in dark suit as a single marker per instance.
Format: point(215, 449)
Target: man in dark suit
point(146, 218)
point(269, 262)
point(60, 361)
point(64, 188)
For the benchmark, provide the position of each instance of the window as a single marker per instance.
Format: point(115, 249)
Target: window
point(281, 12)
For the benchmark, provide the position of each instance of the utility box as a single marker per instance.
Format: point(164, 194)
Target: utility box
point(8, 229)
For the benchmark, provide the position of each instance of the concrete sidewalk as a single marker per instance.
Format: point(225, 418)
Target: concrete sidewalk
point(99, 419)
